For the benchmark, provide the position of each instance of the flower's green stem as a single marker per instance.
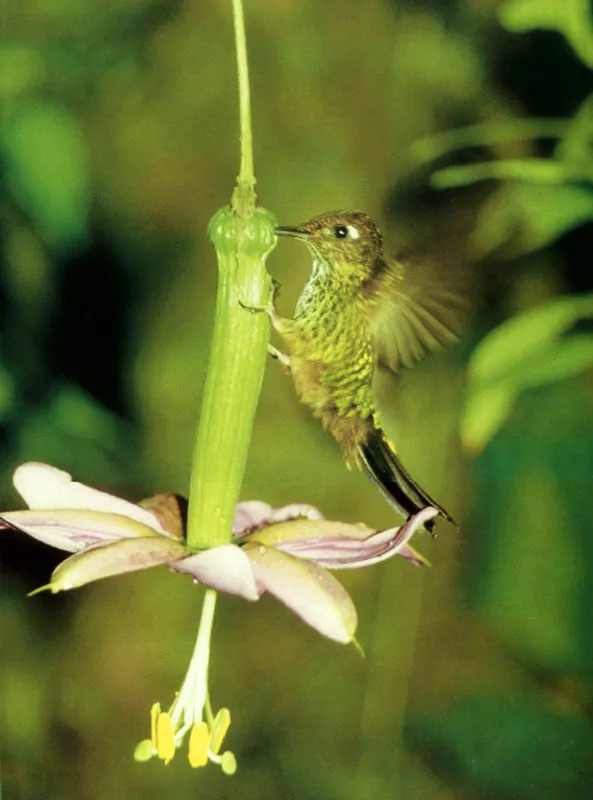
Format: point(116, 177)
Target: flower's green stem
point(246, 177)
point(242, 236)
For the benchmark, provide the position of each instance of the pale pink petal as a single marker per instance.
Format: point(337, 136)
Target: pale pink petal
point(337, 545)
point(299, 532)
point(255, 514)
point(74, 529)
point(308, 590)
point(250, 514)
point(105, 561)
point(295, 511)
point(413, 556)
point(225, 568)
point(44, 486)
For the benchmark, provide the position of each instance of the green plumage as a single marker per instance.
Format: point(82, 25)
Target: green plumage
point(331, 356)
point(359, 310)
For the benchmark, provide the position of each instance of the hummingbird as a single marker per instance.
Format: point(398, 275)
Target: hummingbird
point(360, 311)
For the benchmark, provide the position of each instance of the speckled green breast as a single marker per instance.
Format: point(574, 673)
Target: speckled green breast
point(332, 363)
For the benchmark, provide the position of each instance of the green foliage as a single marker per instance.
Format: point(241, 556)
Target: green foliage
point(576, 143)
point(7, 394)
point(522, 217)
point(507, 747)
point(47, 171)
point(21, 70)
point(530, 559)
point(71, 428)
point(529, 564)
point(540, 199)
point(525, 351)
point(572, 18)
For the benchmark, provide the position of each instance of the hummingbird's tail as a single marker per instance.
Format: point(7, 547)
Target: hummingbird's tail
point(384, 468)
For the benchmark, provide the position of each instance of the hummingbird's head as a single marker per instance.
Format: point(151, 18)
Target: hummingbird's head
point(348, 241)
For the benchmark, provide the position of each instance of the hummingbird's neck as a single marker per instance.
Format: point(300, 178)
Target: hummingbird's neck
point(334, 278)
point(331, 302)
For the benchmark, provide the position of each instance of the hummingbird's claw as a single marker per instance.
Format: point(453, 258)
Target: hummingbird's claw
point(269, 308)
point(280, 356)
point(253, 309)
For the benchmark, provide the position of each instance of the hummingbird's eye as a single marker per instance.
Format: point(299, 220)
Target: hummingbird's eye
point(340, 231)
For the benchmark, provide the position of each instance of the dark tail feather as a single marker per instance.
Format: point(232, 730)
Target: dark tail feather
point(384, 468)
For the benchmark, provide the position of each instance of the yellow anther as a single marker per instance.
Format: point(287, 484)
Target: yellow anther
point(220, 726)
point(154, 714)
point(199, 742)
point(165, 737)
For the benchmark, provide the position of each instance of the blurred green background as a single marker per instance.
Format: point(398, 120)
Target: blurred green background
point(118, 141)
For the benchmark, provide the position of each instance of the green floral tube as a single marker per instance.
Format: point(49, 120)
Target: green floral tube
point(242, 242)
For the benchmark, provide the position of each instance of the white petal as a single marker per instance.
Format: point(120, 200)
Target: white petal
point(44, 486)
point(253, 514)
point(75, 529)
point(250, 514)
point(295, 511)
point(337, 545)
point(308, 590)
point(117, 558)
point(225, 568)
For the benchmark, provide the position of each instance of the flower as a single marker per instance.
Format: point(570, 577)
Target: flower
point(286, 551)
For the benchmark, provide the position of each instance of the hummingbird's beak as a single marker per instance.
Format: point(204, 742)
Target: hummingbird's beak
point(297, 233)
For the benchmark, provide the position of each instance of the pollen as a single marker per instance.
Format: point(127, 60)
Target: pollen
point(199, 744)
point(163, 733)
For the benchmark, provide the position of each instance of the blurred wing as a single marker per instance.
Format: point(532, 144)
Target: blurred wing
point(415, 316)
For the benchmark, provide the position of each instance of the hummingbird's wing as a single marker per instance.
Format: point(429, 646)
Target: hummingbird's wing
point(414, 316)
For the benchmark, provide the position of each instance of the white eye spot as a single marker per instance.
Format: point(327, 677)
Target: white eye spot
point(353, 232)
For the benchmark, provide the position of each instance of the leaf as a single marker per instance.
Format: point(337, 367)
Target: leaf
point(529, 216)
point(523, 352)
point(485, 134)
point(47, 171)
point(572, 18)
point(499, 355)
point(505, 747)
point(486, 410)
point(562, 359)
point(532, 170)
point(576, 145)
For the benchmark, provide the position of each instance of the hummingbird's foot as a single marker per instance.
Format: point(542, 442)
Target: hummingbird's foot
point(254, 309)
point(280, 356)
point(269, 308)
